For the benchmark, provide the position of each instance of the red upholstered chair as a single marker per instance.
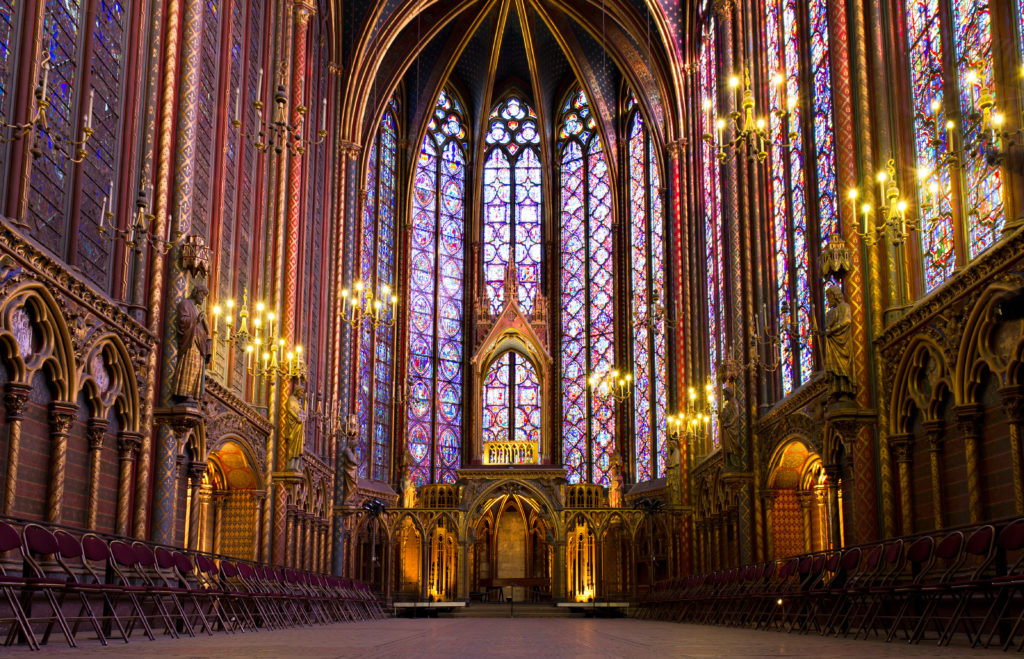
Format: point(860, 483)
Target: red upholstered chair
point(930, 577)
point(1005, 589)
point(10, 586)
point(121, 563)
point(165, 597)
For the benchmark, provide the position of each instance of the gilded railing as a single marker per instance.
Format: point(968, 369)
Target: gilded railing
point(511, 453)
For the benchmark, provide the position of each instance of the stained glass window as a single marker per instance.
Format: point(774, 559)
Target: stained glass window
point(983, 183)
point(970, 29)
point(100, 166)
point(793, 240)
point(7, 45)
point(925, 55)
point(587, 305)
point(202, 181)
point(436, 275)
point(50, 170)
point(647, 282)
point(711, 194)
point(376, 267)
point(512, 202)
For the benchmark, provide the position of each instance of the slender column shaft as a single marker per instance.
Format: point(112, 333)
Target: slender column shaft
point(61, 416)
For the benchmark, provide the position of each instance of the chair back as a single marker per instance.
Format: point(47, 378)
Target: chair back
point(8, 538)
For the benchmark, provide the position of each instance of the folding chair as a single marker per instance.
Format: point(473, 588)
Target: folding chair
point(96, 557)
point(37, 541)
point(11, 586)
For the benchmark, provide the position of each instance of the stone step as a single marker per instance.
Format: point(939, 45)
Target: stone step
point(477, 610)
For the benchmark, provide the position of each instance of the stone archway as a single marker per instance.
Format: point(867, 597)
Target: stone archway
point(799, 518)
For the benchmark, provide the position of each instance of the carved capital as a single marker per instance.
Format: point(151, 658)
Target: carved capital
point(196, 471)
point(61, 417)
point(304, 10)
point(967, 417)
point(349, 150)
point(769, 496)
point(15, 397)
point(95, 431)
point(1013, 403)
point(676, 148)
point(128, 444)
point(934, 431)
point(902, 447)
point(833, 474)
point(806, 498)
point(721, 8)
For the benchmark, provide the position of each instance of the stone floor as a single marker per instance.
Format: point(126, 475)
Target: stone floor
point(469, 637)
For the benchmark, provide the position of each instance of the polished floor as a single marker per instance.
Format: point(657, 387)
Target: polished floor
point(537, 637)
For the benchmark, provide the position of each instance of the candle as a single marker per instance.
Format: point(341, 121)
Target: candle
point(46, 76)
point(259, 85)
point(238, 105)
point(865, 209)
point(852, 196)
point(103, 212)
point(88, 114)
point(949, 137)
point(323, 116)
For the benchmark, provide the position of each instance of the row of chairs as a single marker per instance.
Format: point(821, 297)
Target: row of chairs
point(937, 585)
point(119, 587)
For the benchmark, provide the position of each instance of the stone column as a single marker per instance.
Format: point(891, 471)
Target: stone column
point(128, 444)
point(307, 543)
point(903, 450)
point(769, 516)
point(15, 397)
point(934, 431)
point(96, 429)
point(1013, 406)
point(61, 417)
point(833, 473)
point(219, 500)
point(967, 420)
point(257, 517)
point(195, 477)
point(805, 499)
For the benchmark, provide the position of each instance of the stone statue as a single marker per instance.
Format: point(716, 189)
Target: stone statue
point(673, 472)
point(408, 486)
point(293, 434)
point(615, 481)
point(729, 427)
point(194, 346)
point(839, 344)
point(350, 467)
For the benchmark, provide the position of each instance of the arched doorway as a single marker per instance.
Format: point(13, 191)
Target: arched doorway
point(229, 504)
point(798, 512)
point(511, 551)
point(408, 551)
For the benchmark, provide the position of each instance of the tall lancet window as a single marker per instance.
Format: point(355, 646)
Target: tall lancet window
point(436, 274)
point(930, 25)
point(512, 201)
point(374, 371)
point(799, 227)
point(587, 304)
point(711, 195)
point(647, 283)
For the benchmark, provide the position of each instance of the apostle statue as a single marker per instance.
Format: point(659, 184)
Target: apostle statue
point(839, 344)
point(673, 472)
point(729, 427)
point(350, 460)
point(615, 481)
point(293, 434)
point(408, 486)
point(194, 346)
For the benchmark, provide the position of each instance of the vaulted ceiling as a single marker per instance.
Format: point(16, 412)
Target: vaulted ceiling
point(541, 47)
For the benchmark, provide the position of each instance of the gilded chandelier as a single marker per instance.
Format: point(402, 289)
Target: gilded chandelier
point(267, 354)
point(362, 305)
point(747, 129)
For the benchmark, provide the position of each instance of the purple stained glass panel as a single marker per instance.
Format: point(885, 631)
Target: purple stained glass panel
point(640, 302)
point(435, 298)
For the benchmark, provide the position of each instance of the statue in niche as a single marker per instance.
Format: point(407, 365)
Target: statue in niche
point(194, 346)
point(350, 467)
point(729, 427)
point(293, 433)
point(408, 486)
point(615, 481)
point(839, 344)
point(673, 472)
